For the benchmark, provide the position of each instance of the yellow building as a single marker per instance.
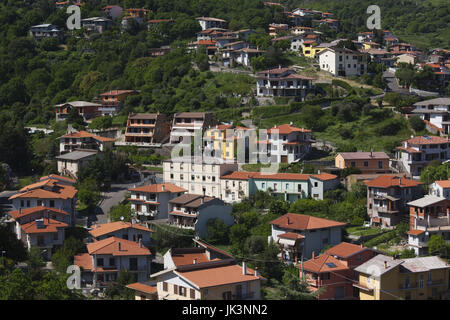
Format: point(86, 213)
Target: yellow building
point(223, 141)
point(385, 278)
point(308, 48)
point(371, 45)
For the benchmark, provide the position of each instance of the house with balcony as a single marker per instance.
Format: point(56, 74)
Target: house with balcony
point(333, 271)
point(120, 229)
point(286, 186)
point(343, 62)
point(107, 258)
point(440, 188)
point(436, 112)
point(277, 28)
point(198, 177)
point(87, 110)
point(73, 140)
point(145, 129)
point(321, 183)
point(428, 216)
point(283, 82)
point(236, 186)
point(193, 211)
point(219, 279)
point(185, 124)
point(70, 163)
point(416, 153)
point(47, 30)
point(288, 144)
point(41, 226)
point(299, 236)
point(209, 22)
point(387, 278)
point(152, 201)
point(112, 11)
point(113, 100)
point(367, 162)
point(387, 199)
point(96, 24)
point(48, 193)
point(222, 141)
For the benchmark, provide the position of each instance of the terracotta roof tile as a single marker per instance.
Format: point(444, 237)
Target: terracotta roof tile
point(158, 188)
point(324, 263)
point(49, 226)
point(304, 222)
point(142, 287)
point(415, 232)
point(386, 181)
point(27, 211)
point(111, 246)
point(106, 228)
point(239, 175)
point(427, 140)
point(324, 176)
point(282, 176)
point(443, 183)
point(345, 249)
point(286, 129)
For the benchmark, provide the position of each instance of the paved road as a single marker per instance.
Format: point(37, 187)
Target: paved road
point(392, 83)
point(114, 197)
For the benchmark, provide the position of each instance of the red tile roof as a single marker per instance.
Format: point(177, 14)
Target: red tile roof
point(142, 287)
point(55, 176)
point(158, 188)
point(286, 129)
point(111, 246)
point(427, 140)
point(443, 183)
point(239, 175)
point(53, 190)
point(324, 263)
point(296, 221)
point(386, 181)
point(181, 259)
point(415, 232)
point(345, 249)
point(282, 176)
point(291, 235)
point(324, 176)
point(27, 211)
point(49, 226)
point(106, 228)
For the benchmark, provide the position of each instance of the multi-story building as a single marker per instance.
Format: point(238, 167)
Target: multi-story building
point(73, 140)
point(186, 123)
point(70, 163)
point(96, 24)
point(146, 128)
point(435, 111)
point(152, 202)
point(343, 62)
point(428, 216)
point(44, 31)
point(200, 178)
point(276, 28)
point(41, 226)
point(289, 186)
point(283, 82)
point(333, 272)
point(300, 235)
point(222, 141)
point(123, 230)
point(416, 153)
point(113, 100)
point(440, 188)
point(387, 278)
point(208, 23)
point(112, 11)
point(87, 110)
point(367, 162)
point(288, 144)
point(387, 198)
point(221, 279)
point(107, 258)
point(193, 211)
point(48, 193)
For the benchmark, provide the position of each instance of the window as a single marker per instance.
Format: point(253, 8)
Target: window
point(299, 188)
point(22, 203)
point(55, 236)
point(380, 164)
point(52, 203)
point(287, 185)
point(226, 295)
point(183, 291)
point(214, 178)
point(192, 294)
point(325, 276)
point(165, 286)
point(274, 187)
point(181, 177)
point(125, 237)
point(28, 203)
point(175, 289)
point(112, 261)
point(133, 264)
point(263, 185)
point(366, 163)
point(316, 184)
point(171, 176)
point(100, 262)
point(353, 164)
point(39, 203)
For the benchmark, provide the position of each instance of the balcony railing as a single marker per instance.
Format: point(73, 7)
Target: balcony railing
point(243, 296)
point(408, 286)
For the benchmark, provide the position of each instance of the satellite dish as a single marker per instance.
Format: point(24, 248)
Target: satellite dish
point(121, 218)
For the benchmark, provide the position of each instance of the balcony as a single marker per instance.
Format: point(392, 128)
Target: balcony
point(408, 286)
point(435, 283)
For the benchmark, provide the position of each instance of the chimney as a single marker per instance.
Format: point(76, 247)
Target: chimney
point(244, 267)
point(163, 187)
point(385, 265)
point(119, 246)
point(288, 220)
point(362, 245)
point(20, 211)
point(140, 243)
point(256, 272)
point(313, 255)
point(195, 261)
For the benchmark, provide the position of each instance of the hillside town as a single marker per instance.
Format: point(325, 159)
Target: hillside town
point(203, 154)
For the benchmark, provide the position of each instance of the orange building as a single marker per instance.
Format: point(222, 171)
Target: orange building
point(367, 162)
point(113, 100)
point(147, 128)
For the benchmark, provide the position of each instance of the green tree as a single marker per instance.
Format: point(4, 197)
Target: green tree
point(121, 211)
point(437, 245)
point(217, 231)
